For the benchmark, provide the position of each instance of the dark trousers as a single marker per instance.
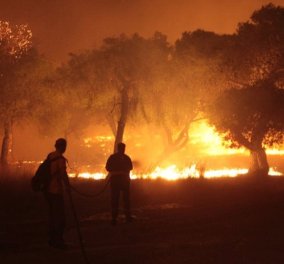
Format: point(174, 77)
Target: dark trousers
point(120, 184)
point(56, 217)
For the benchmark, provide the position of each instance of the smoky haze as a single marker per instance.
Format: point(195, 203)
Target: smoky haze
point(63, 26)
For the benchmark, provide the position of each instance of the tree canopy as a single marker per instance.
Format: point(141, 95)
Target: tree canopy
point(252, 117)
point(234, 80)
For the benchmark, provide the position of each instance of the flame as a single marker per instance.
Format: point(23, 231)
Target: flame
point(88, 142)
point(104, 138)
point(203, 134)
point(169, 173)
point(275, 152)
point(274, 172)
point(172, 173)
point(212, 143)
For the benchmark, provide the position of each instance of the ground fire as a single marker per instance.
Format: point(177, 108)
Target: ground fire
point(203, 138)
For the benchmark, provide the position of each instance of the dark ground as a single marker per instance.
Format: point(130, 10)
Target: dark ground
point(212, 221)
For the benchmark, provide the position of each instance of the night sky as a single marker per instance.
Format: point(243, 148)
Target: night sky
point(62, 26)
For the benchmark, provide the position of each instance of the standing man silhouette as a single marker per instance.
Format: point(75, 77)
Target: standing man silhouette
point(119, 166)
point(54, 194)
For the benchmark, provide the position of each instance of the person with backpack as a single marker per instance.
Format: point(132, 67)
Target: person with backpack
point(119, 166)
point(53, 192)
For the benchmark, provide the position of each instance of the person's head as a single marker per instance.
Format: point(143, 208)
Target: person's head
point(121, 148)
point(60, 145)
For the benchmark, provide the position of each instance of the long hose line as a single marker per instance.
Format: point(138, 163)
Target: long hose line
point(91, 195)
point(77, 222)
point(80, 237)
point(83, 251)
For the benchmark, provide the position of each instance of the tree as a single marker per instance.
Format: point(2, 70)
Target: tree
point(250, 114)
point(256, 51)
point(252, 117)
point(190, 78)
point(132, 64)
point(117, 76)
point(67, 100)
point(15, 42)
point(19, 80)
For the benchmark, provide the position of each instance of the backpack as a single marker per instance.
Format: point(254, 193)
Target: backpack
point(41, 179)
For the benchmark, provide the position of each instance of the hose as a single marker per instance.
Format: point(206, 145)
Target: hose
point(86, 261)
point(91, 195)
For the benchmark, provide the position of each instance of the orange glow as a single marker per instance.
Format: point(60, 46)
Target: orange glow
point(172, 173)
point(212, 143)
point(88, 175)
point(201, 135)
point(275, 151)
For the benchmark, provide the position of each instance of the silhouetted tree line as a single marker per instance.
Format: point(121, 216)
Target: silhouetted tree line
point(234, 81)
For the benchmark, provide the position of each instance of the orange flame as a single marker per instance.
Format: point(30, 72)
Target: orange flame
point(172, 173)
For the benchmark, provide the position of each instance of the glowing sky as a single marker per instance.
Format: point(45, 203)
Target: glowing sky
point(61, 26)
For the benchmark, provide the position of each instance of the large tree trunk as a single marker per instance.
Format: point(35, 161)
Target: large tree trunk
point(259, 164)
point(111, 123)
point(7, 143)
point(263, 163)
point(123, 117)
point(254, 166)
point(110, 118)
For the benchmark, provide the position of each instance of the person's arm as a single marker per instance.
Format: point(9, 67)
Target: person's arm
point(66, 180)
point(108, 164)
point(63, 172)
point(130, 165)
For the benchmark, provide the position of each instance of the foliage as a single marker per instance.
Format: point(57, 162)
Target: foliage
point(21, 70)
point(20, 81)
point(252, 117)
point(120, 63)
point(64, 108)
point(15, 41)
point(257, 50)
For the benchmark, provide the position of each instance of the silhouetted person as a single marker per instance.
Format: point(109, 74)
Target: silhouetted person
point(54, 194)
point(119, 166)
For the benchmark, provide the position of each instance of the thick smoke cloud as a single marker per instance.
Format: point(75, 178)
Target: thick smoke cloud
point(62, 26)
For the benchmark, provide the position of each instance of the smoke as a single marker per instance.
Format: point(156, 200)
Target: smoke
point(63, 26)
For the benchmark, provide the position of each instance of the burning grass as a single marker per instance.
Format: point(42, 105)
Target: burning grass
point(170, 172)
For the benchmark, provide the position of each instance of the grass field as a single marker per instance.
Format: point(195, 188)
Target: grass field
point(239, 220)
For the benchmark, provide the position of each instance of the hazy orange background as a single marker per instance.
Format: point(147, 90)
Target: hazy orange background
point(61, 26)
